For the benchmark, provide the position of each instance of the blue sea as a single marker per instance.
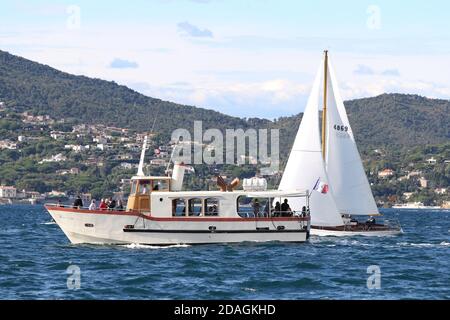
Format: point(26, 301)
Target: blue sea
point(36, 260)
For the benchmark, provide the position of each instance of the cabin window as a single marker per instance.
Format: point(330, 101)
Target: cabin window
point(178, 207)
point(144, 187)
point(195, 207)
point(253, 207)
point(211, 207)
point(160, 185)
point(133, 187)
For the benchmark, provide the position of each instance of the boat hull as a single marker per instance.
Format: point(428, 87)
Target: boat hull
point(329, 232)
point(106, 227)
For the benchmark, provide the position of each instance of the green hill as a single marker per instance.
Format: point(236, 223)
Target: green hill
point(42, 90)
point(398, 120)
point(407, 130)
point(386, 121)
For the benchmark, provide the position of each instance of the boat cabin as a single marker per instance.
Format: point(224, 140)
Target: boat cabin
point(225, 204)
point(154, 195)
point(141, 189)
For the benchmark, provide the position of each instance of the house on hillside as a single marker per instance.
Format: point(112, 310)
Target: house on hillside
point(8, 192)
point(127, 165)
point(74, 171)
point(55, 193)
point(56, 158)
point(58, 135)
point(423, 182)
point(414, 173)
point(158, 162)
point(407, 195)
point(76, 147)
point(123, 156)
point(385, 173)
point(7, 144)
point(100, 140)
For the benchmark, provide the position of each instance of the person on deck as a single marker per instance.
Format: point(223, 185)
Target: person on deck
point(286, 209)
point(369, 223)
point(119, 205)
point(304, 211)
point(103, 205)
point(111, 204)
point(78, 203)
point(93, 205)
point(256, 207)
point(277, 211)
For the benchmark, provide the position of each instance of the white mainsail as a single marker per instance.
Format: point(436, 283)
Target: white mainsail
point(351, 190)
point(306, 165)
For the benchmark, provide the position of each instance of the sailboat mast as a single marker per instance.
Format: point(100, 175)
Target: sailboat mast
point(324, 112)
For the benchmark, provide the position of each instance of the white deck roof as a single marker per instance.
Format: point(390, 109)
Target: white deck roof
point(221, 194)
point(150, 178)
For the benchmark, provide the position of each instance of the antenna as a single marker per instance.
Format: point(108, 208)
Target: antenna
point(144, 147)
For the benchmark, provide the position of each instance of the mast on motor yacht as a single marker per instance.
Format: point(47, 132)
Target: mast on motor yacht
point(140, 171)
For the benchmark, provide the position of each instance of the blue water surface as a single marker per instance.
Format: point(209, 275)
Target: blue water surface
point(35, 256)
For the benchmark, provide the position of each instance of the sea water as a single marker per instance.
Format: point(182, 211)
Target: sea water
point(38, 262)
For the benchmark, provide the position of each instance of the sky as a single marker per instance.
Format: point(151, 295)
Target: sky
point(247, 58)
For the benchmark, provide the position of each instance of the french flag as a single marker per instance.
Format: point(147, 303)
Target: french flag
point(321, 186)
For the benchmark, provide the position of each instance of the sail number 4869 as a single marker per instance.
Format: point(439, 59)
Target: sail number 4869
point(340, 128)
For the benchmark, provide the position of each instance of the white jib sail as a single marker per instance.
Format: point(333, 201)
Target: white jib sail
point(351, 190)
point(305, 165)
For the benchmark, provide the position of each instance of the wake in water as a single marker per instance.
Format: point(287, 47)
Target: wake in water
point(411, 244)
point(334, 241)
point(145, 246)
point(48, 223)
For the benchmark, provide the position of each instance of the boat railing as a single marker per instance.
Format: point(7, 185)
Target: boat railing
point(274, 214)
point(67, 206)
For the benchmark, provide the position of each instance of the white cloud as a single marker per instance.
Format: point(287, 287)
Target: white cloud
point(363, 70)
point(271, 98)
point(391, 72)
point(191, 30)
point(123, 64)
point(264, 83)
point(380, 85)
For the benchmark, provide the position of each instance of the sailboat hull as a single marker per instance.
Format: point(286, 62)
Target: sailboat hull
point(342, 232)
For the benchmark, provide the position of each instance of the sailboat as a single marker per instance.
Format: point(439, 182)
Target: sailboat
point(326, 161)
